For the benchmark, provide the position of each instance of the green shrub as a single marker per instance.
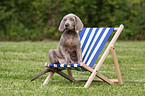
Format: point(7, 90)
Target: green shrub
point(39, 19)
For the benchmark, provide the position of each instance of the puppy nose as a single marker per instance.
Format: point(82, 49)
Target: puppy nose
point(66, 25)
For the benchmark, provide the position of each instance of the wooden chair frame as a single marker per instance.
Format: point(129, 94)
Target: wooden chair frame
point(93, 71)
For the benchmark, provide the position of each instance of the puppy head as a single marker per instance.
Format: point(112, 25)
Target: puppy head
point(71, 22)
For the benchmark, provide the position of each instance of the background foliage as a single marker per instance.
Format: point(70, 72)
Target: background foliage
point(39, 19)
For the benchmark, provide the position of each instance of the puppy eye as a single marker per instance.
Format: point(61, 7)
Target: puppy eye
point(71, 19)
point(65, 19)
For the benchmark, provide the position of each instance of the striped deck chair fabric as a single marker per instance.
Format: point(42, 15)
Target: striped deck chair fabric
point(92, 42)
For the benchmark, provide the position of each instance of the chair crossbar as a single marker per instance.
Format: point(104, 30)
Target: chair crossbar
point(64, 65)
point(77, 67)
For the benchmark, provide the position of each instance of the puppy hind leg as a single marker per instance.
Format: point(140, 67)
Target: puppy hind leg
point(53, 57)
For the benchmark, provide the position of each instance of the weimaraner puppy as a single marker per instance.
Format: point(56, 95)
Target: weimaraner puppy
point(68, 50)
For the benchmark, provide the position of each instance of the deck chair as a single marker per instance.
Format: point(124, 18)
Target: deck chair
point(92, 42)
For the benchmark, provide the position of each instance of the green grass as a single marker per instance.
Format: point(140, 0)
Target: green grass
point(20, 61)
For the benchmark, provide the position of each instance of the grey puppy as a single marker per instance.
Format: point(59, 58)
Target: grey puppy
point(68, 50)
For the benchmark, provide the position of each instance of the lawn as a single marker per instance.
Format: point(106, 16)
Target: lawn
point(20, 61)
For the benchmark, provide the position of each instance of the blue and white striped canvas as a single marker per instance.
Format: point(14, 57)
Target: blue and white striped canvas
point(92, 42)
point(64, 66)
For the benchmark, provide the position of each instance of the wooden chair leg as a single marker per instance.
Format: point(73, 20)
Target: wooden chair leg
point(41, 73)
point(48, 78)
point(69, 72)
point(116, 65)
point(105, 79)
point(99, 76)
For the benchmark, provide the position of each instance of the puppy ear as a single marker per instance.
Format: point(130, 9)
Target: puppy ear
point(61, 26)
point(78, 24)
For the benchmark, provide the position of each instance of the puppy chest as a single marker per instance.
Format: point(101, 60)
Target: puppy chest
point(70, 43)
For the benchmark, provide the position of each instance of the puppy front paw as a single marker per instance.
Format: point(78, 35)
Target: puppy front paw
point(68, 63)
point(79, 62)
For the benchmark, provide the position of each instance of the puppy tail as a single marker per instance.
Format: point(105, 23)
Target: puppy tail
point(41, 73)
